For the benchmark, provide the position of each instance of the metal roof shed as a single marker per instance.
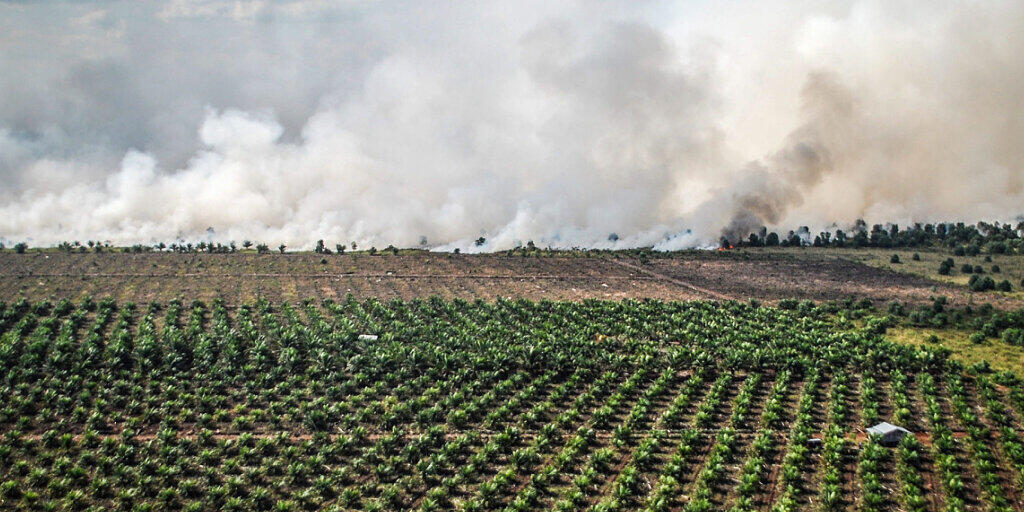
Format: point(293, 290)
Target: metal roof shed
point(890, 434)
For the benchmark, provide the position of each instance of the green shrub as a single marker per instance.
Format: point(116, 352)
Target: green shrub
point(982, 284)
point(1014, 336)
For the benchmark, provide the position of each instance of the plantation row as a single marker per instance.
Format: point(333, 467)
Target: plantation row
point(511, 405)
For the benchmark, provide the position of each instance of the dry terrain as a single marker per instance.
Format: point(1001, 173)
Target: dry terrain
point(238, 278)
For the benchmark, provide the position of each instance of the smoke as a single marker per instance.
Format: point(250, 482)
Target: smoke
point(669, 124)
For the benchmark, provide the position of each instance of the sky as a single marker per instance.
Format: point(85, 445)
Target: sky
point(669, 123)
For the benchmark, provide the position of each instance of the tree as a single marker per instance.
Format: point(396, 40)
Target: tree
point(614, 237)
point(772, 239)
point(246, 244)
point(480, 241)
point(281, 248)
point(340, 249)
point(262, 249)
point(319, 247)
point(20, 247)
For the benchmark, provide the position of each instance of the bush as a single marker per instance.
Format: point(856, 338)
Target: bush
point(966, 268)
point(996, 269)
point(959, 251)
point(895, 258)
point(1004, 286)
point(1014, 336)
point(978, 269)
point(895, 308)
point(945, 267)
point(20, 247)
point(988, 259)
point(978, 338)
point(982, 284)
point(916, 257)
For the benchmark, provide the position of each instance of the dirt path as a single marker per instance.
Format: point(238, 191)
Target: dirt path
point(673, 280)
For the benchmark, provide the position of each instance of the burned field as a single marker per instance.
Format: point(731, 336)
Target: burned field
point(239, 278)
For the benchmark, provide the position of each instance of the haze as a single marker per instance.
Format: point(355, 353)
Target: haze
point(435, 123)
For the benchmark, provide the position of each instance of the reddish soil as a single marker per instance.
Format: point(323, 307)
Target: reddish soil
point(239, 278)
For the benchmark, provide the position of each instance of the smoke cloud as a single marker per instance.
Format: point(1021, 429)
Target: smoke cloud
point(669, 124)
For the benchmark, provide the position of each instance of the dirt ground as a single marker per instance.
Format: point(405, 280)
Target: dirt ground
point(740, 275)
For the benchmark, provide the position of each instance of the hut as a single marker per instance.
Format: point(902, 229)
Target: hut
point(889, 434)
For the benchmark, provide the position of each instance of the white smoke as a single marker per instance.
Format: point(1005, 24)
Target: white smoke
point(389, 122)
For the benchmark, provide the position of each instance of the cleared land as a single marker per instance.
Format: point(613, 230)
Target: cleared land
point(241, 278)
point(1010, 266)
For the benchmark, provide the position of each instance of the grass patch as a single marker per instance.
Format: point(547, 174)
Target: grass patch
point(1000, 355)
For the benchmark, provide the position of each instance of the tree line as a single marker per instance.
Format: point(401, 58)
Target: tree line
point(965, 239)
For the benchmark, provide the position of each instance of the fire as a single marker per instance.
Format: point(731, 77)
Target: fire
point(726, 248)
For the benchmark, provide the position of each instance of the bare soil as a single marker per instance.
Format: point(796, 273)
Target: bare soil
point(240, 278)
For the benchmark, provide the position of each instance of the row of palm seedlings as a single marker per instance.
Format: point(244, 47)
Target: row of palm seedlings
point(754, 472)
point(448, 404)
point(722, 452)
point(834, 442)
point(790, 480)
point(909, 458)
point(979, 440)
point(520, 463)
point(675, 472)
point(1000, 416)
point(945, 447)
point(596, 461)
